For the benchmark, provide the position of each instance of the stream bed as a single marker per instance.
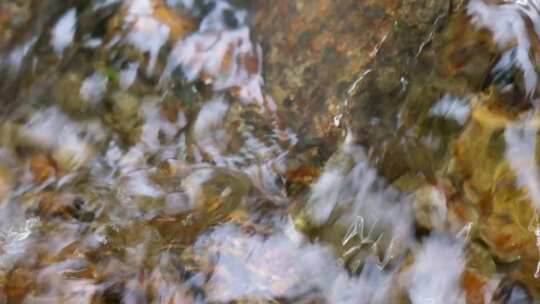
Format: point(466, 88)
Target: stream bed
point(285, 151)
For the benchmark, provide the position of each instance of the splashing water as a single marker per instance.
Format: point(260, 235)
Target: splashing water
point(179, 151)
point(64, 31)
point(509, 27)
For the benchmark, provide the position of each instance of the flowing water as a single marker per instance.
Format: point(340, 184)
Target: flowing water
point(236, 151)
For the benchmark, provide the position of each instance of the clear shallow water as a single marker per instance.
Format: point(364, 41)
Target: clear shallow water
point(262, 152)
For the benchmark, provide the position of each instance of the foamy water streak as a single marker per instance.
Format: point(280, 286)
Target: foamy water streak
point(452, 108)
point(436, 273)
point(521, 153)
point(94, 87)
point(521, 142)
point(222, 55)
point(16, 235)
point(146, 33)
point(350, 194)
point(63, 32)
point(276, 266)
point(15, 58)
point(251, 266)
point(508, 24)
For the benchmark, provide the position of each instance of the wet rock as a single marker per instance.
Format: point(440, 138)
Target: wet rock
point(490, 185)
point(479, 275)
point(299, 178)
point(474, 287)
point(480, 261)
point(63, 206)
point(301, 47)
point(67, 93)
point(42, 167)
point(430, 208)
point(476, 140)
point(72, 157)
point(6, 182)
point(499, 187)
point(447, 65)
point(125, 117)
point(216, 191)
point(424, 14)
point(18, 282)
point(367, 79)
point(508, 240)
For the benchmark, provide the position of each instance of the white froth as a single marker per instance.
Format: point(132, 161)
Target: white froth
point(94, 87)
point(435, 276)
point(149, 35)
point(16, 56)
point(254, 267)
point(63, 32)
point(452, 108)
point(521, 154)
point(225, 57)
point(139, 184)
point(208, 130)
point(506, 22)
point(128, 75)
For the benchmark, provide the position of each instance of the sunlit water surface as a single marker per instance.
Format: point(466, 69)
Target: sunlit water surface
point(188, 151)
